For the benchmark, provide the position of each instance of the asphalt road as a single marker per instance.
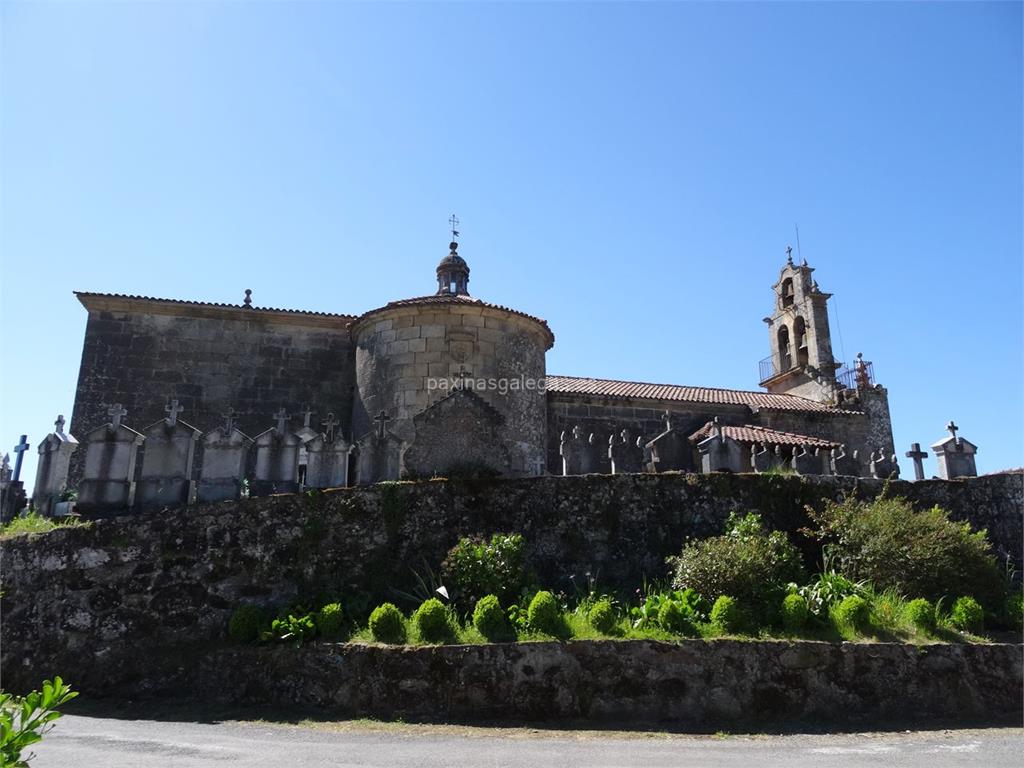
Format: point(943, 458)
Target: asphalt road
point(88, 742)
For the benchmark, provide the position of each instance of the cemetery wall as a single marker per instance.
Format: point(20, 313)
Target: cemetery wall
point(143, 352)
point(73, 599)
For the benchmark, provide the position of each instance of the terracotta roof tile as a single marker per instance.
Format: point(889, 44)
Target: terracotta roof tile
point(683, 394)
point(754, 434)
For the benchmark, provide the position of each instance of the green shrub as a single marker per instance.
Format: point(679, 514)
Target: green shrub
point(921, 613)
point(246, 623)
point(727, 615)
point(477, 567)
point(329, 620)
point(293, 628)
point(1013, 610)
point(431, 620)
point(490, 620)
point(544, 614)
point(387, 625)
point(602, 616)
point(794, 613)
point(747, 563)
point(967, 615)
point(648, 612)
point(24, 721)
point(853, 612)
point(673, 618)
point(887, 543)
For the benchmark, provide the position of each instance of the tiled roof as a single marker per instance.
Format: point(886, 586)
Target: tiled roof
point(83, 296)
point(676, 393)
point(458, 299)
point(752, 434)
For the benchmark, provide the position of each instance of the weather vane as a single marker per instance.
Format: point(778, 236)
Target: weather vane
point(454, 221)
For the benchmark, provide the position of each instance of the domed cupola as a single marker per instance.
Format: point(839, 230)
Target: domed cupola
point(453, 274)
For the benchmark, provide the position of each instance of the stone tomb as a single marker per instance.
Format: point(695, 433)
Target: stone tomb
point(52, 472)
point(170, 449)
point(955, 455)
point(277, 459)
point(108, 478)
point(578, 452)
point(720, 453)
point(626, 453)
point(671, 450)
point(225, 459)
point(843, 464)
point(327, 465)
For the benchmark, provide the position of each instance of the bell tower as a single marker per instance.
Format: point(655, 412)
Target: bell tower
point(801, 362)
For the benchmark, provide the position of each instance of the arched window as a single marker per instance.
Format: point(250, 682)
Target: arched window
point(787, 292)
point(785, 361)
point(800, 339)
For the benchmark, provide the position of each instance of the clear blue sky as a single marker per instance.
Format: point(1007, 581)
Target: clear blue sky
point(630, 172)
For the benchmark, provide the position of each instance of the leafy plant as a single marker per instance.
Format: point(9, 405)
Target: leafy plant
point(852, 613)
point(295, 628)
point(428, 585)
point(33, 522)
point(24, 721)
point(890, 544)
point(648, 613)
point(246, 623)
point(387, 625)
point(478, 567)
point(921, 613)
point(674, 617)
point(746, 562)
point(728, 616)
point(490, 620)
point(794, 612)
point(602, 616)
point(967, 615)
point(432, 622)
point(329, 620)
point(544, 615)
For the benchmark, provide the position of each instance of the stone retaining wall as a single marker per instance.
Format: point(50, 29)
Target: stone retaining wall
point(85, 602)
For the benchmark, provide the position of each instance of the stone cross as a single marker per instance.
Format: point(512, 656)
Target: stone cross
point(282, 417)
point(538, 464)
point(382, 420)
point(116, 413)
point(59, 424)
point(20, 449)
point(917, 455)
point(330, 422)
point(229, 421)
point(952, 428)
point(173, 409)
point(307, 414)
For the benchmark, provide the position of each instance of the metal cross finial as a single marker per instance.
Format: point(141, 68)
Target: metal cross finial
point(116, 413)
point(382, 420)
point(952, 428)
point(330, 422)
point(282, 417)
point(229, 421)
point(173, 409)
point(454, 221)
point(19, 449)
point(59, 424)
point(789, 254)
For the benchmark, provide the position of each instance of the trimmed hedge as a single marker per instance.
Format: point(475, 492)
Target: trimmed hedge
point(387, 625)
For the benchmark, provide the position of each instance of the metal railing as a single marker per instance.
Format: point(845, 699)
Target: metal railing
point(860, 376)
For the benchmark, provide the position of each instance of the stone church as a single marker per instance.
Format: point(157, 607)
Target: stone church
point(423, 386)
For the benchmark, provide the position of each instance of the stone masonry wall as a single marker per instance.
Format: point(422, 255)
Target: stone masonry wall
point(254, 361)
point(156, 585)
